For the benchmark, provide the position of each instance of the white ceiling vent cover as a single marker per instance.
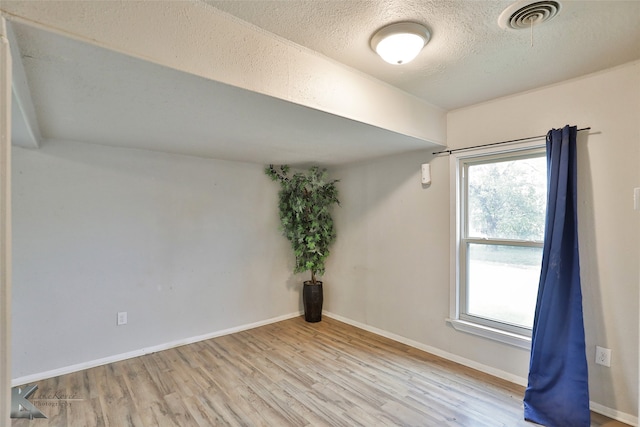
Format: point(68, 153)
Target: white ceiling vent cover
point(523, 14)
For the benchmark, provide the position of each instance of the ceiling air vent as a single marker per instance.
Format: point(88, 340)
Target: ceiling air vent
point(524, 14)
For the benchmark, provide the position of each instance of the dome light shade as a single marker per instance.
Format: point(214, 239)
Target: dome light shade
point(400, 43)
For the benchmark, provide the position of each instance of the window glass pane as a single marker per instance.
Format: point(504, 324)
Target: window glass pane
point(502, 282)
point(507, 199)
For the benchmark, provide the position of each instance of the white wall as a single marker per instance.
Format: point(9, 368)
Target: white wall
point(186, 246)
point(386, 265)
point(390, 266)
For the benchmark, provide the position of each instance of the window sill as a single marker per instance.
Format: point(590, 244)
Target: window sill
point(515, 340)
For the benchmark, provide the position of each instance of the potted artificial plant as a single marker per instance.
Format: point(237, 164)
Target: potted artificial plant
point(305, 202)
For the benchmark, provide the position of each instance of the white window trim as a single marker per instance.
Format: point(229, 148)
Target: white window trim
point(455, 158)
point(505, 337)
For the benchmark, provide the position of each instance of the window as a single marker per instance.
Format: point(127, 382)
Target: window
point(500, 210)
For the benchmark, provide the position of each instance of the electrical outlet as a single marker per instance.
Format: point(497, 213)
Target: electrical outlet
point(122, 318)
point(603, 356)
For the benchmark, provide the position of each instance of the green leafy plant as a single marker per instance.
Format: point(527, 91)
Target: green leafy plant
point(305, 202)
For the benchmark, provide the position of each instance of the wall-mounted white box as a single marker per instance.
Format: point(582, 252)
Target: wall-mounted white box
point(426, 174)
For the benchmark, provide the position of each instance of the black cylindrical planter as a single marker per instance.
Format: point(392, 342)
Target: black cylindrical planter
point(312, 301)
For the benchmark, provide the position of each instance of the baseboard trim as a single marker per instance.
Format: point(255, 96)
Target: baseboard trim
point(433, 350)
point(141, 352)
point(595, 407)
point(614, 414)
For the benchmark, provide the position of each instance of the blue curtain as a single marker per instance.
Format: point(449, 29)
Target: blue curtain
point(558, 391)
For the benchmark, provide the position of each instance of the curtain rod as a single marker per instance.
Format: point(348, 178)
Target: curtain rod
point(498, 143)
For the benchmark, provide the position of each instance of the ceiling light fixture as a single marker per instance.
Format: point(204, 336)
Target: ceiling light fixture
point(401, 42)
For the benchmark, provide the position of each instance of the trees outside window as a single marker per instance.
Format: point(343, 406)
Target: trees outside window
point(501, 206)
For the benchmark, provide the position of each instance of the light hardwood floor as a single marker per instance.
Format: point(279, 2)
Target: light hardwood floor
point(289, 373)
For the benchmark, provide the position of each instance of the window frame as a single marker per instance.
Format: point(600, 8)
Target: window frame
point(459, 162)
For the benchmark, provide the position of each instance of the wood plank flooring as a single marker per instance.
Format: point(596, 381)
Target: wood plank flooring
point(289, 373)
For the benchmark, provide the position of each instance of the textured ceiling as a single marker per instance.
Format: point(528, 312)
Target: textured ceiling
point(469, 59)
point(291, 81)
point(90, 94)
